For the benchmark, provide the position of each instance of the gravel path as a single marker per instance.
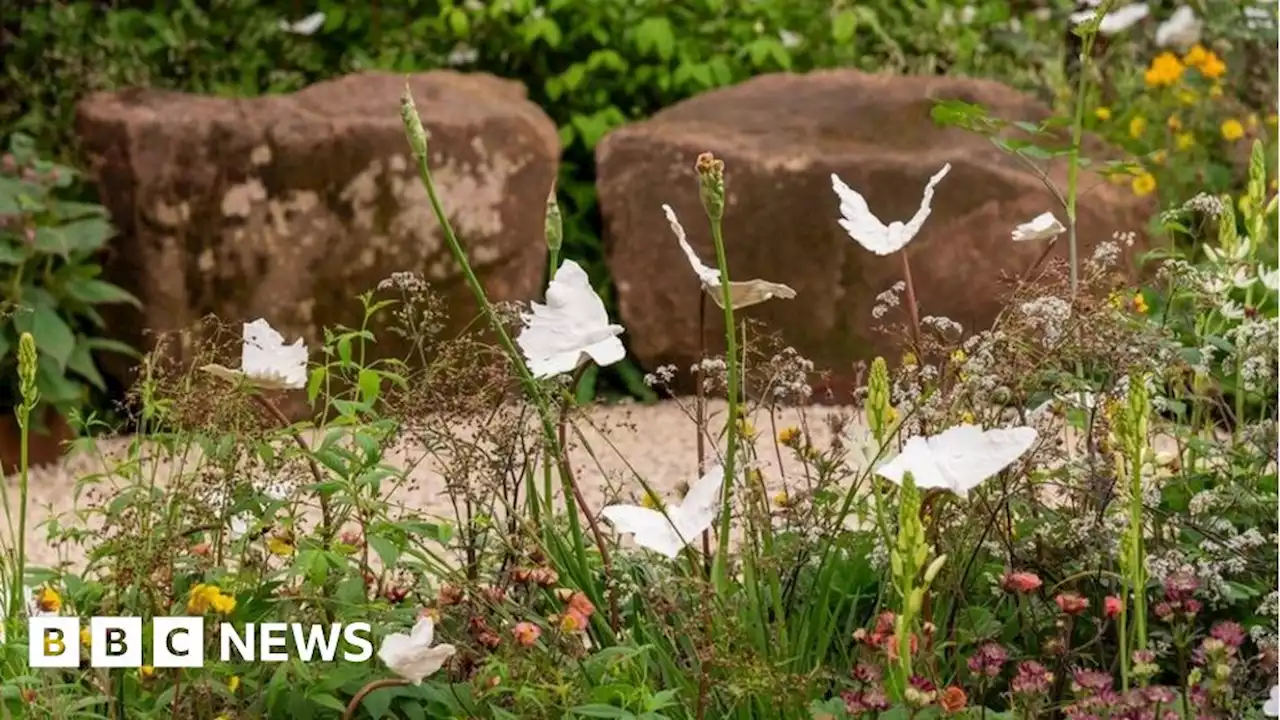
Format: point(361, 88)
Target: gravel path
point(658, 441)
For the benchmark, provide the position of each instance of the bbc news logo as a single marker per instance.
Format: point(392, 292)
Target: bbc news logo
point(179, 642)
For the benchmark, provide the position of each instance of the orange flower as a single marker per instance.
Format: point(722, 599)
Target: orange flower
point(953, 700)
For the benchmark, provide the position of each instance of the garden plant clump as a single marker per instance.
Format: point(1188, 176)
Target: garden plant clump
point(1070, 513)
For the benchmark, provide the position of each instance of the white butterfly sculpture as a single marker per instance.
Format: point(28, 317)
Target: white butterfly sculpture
point(868, 230)
point(668, 534)
point(1042, 227)
point(742, 293)
point(1272, 707)
point(266, 361)
point(413, 656)
point(1116, 21)
point(1181, 30)
point(960, 458)
point(306, 26)
point(571, 327)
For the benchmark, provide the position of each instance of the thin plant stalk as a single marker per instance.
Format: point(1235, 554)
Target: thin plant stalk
point(913, 308)
point(711, 172)
point(417, 137)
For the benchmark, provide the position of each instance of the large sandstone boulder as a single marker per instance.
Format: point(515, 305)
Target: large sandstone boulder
point(781, 137)
point(287, 207)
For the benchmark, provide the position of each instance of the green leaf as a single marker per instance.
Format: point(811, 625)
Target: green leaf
point(81, 363)
point(459, 23)
point(53, 336)
point(11, 252)
point(386, 550)
point(81, 236)
point(109, 345)
point(370, 383)
point(315, 382)
point(100, 292)
point(843, 26)
point(602, 711)
point(654, 36)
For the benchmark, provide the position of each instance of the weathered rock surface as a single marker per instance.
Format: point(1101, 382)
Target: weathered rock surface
point(781, 137)
point(287, 207)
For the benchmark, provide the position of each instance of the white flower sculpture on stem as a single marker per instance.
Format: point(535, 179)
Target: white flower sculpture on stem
point(1044, 226)
point(865, 228)
point(960, 458)
point(742, 293)
point(669, 533)
point(266, 362)
point(570, 328)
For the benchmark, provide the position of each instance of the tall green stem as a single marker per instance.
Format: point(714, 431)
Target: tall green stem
point(417, 137)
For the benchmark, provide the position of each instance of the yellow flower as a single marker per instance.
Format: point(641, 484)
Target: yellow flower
point(746, 429)
point(1271, 119)
point(1140, 304)
point(1174, 123)
point(1185, 141)
point(1215, 91)
point(1232, 130)
point(234, 683)
point(278, 545)
point(958, 357)
point(1144, 184)
point(967, 417)
point(1158, 157)
point(1252, 121)
point(1166, 69)
point(204, 598)
point(1114, 301)
point(780, 498)
point(85, 637)
point(1212, 67)
point(146, 672)
point(1102, 113)
point(891, 414)
point(909, 359)
point(1137, 126)
point(223, 604)
point(1196, 55)
point(49, 600)
point(788, 435)
point(1188, 97)
point(651, 501)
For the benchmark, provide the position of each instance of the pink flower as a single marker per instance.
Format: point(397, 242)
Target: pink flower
point(1113, 606)
point(526, 633)
point(1071, 603)
point(1021, 582)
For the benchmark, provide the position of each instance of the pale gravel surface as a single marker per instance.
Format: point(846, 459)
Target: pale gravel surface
point(657, 441)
